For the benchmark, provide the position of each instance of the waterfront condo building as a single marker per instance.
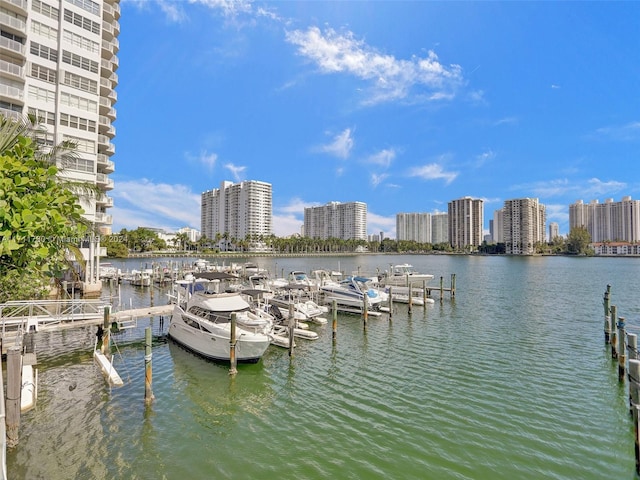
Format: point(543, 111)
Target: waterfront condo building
point(439, 228)
point(237, 211)
point(58, 63)
point(346, 221)
point(414, 227)
point(466, 221)
point(609, 221)
point(523, 226)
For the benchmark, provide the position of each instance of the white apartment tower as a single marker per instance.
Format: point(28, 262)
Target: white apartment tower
point(466, 223)
point(58, 62)
point(498, 226)
point(239, 211)
point(608, 221)
point(439, 228)
point(524, 222)
point(414, 227)
point(554, 231)
point(346, 221)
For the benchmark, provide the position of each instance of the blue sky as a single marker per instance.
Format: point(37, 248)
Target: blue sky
point(402, 105)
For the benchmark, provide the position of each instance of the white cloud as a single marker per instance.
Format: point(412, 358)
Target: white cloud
point(236, 171)
point(384, 158)
point(433, 171)
point(341, 145)
point(144, 203)
point(588, 190)
point(377, 179)
point(484, 157)
point(390, 78)
point(208, 160)
point(627, 132)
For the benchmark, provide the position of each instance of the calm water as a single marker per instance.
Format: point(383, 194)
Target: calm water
point(511, 380)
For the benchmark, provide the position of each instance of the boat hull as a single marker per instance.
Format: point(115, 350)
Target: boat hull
point(215, 344)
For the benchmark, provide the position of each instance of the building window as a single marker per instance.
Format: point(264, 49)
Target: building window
point(80, 21)
point(44, 30)
point(80, 41)
point(77, 122)
point(44, 9)
point(43, 116)
point(88, 5)
point(78, 102)
point(82, 144)
point(79, 61)
point(43, 73)
point(39, 93)
point(82, 83)
point(43, 51)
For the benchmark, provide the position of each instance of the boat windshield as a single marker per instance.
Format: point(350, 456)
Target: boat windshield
point(213, 317)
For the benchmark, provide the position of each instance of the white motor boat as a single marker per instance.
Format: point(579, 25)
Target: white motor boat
point(404, 275)
point(203, 324)
point(351, 291)
point(141, 278)
point(304, 308)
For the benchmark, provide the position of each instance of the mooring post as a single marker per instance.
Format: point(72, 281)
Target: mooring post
point(614, 334)
point(106, 334)
point(424, 292)
point(232, 345)
point(292, 326)
point(622, 357)
point(334, 323)
point(390, 303)
point(14, 390)
point(365, 308)
point(607, 314)
point(441, 288)
point(632, 346)
point(148, 369)
point(453, 285)
point(634, 386)
point(410, 298)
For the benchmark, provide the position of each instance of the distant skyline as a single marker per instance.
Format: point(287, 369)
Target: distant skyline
point(404, 106)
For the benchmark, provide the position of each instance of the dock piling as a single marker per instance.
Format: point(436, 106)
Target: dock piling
point(390, 302)
point(622, 357)
point(365, 308)
point(614, 333)
point(14, 389)
point(232, 345)
point(148, 370)
point(334, 323)
point(607, 314)
point(292, 326)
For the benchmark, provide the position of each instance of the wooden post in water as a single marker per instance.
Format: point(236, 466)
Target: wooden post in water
point(424, 292)
point(365, 308)
point(441, 288)
point(410, 298)
point(453, 285)
point(614, 335)
point(390, 302)
point(607, 314)
point(106, 334)
point(148, 370)
point(232, 345)
point(634, 400)
point(632, 346)
point(634, 386)
point(14, 390)
point(334, 323)
point(622, 356)
point(292, 326)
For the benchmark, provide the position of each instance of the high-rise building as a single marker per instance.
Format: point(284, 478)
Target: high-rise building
point(524, 225)
point(58, 62)
point(239, 211)
point(346, 221)
point(608, 221)
point(554, 231)
point(414, 227)
point(466, 223)
point(498, 226)
point(439, 228)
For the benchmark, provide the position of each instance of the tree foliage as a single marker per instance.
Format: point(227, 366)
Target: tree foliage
point(578, 241)
point(39, 218)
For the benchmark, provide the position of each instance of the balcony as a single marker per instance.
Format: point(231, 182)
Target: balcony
point(14, 23)
point(107, 30)
point(12, 47)
point(103, 218)
point(113, 96)
point(104, 182)
point(104, 201)
point(11, 93)
point(104, 164)
point(11, 70)
point(10, 114)
point(19, 6)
